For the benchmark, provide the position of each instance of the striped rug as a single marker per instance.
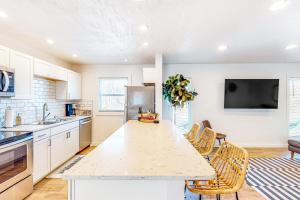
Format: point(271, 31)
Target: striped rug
point(275, 178)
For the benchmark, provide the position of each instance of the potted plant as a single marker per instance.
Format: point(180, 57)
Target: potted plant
point(175, 90)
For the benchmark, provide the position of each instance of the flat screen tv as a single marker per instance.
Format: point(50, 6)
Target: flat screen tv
point(251, 93)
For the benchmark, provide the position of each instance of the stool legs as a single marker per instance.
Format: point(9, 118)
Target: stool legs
point(292, 155)
point(236, 196)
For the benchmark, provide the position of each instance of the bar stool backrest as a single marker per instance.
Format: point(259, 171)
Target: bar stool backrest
point(230, 163)
point(193, 132)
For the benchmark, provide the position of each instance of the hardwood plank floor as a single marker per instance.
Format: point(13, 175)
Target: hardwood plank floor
point(57, 189)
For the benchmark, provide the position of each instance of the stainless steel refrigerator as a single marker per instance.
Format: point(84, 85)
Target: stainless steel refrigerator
point(139, 97)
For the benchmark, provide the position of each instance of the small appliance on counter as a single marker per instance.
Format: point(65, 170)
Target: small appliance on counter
point(70, 110)
point(16, 152)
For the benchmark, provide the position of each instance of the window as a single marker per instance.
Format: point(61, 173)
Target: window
point(112, 94)
point(183, 116)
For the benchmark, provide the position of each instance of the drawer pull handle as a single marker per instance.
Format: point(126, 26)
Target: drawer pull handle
point(39, 136)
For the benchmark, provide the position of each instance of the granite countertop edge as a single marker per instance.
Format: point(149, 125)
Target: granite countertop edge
point(34, 127)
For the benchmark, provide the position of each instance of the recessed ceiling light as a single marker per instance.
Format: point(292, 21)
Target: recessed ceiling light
point(222, 47)
point(75, 55)
point(291, 46)
point(49, 41)
point(143, 28)
point(125, 60)
point(3, 14)
point(145, 44)
point(279, 4)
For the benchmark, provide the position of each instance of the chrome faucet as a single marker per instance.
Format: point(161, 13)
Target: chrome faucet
point(45, 109)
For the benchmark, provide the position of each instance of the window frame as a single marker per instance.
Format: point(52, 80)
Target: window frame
point(110, 112)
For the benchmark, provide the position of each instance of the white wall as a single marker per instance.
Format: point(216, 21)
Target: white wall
point(105, 125)
point(251, 128)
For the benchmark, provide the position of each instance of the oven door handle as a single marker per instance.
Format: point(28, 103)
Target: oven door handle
point(6, 81)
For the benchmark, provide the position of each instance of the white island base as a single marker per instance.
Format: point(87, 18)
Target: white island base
point(126, 190)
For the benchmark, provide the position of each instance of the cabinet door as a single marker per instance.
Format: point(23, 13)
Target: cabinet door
point(59, 149)
point(4, 56)
point(60, 73)
point(73, 141)
point(42, 68)
point(41, 159)
point(74, 85)
point(23, 65)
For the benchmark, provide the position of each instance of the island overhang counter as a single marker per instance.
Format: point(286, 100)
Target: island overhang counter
point(138, 161)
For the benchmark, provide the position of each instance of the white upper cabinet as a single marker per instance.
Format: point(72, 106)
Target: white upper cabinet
point(23, 65)
point(70, 90)
point(4, 56)
point(74, 85)
point(48, 70)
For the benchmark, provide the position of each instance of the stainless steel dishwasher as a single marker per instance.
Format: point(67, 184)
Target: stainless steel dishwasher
point(85, 133)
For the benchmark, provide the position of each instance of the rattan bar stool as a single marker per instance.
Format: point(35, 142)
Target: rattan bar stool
point(206, 142)
point(220, 136)
point(193, 133)
point(230, 163)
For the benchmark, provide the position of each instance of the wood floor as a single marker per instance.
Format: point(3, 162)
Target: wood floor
point(56, 189)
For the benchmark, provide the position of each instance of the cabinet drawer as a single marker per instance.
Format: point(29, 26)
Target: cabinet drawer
point(65, 127)
point(39, 135)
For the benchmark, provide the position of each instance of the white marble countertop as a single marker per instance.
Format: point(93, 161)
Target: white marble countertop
point(140, 151)
point(35, 127)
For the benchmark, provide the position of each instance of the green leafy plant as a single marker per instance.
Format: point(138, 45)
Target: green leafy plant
point(175, 90)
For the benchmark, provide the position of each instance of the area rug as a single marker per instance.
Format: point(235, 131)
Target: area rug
point(67, 165)
point(275, 178)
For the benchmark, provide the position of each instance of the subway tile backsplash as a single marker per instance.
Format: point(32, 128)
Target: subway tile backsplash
point(31, 110)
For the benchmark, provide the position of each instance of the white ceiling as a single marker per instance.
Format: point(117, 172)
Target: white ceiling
point(185, 31)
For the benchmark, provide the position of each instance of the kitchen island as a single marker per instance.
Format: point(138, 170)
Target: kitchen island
point(138, 161)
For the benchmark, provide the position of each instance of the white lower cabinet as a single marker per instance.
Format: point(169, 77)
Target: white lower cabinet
point(73, 142)
point(41, 159)
point(63, 146)
point(50, 150)
point(58, 150)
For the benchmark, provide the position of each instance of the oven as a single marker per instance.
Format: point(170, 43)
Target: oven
point(16, 165)
point(7, 82)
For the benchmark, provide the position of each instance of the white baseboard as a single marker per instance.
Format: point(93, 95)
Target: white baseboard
point(264, 145)
point(94, 144)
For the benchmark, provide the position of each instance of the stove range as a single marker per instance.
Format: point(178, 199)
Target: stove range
point(7, 137)
point(16, 152)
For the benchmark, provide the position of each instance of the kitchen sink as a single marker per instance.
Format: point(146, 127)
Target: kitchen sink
point(47, 122)
point(58, 120)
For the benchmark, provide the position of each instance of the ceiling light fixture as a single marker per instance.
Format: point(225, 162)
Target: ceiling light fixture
point(74, 55)
point(143, 28)
point(222, 47)
point(49, 41)
point(145, 44)
point(3, 14)
point(279, 4)
point(291, 46)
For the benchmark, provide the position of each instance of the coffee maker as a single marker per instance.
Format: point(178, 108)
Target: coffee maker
point(70, 109)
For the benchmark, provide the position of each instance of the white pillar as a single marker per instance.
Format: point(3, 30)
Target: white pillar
point(158, 83)
point(154, 75)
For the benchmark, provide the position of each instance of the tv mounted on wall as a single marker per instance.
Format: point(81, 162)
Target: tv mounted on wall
point(251, 93)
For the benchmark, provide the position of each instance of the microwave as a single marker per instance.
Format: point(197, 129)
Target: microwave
point(7, 82)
